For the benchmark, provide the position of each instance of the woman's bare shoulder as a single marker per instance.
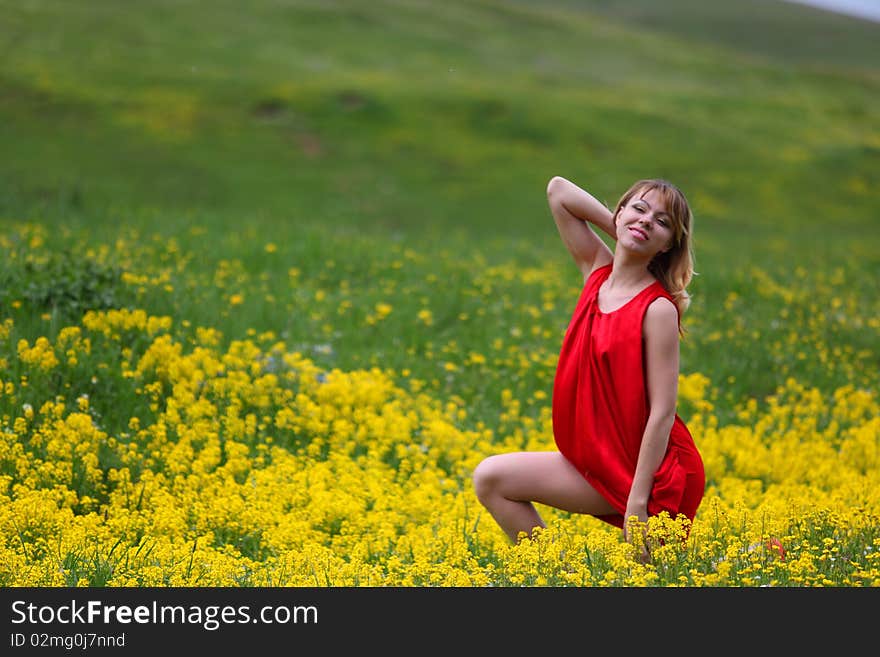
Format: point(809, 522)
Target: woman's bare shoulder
point(661, 317)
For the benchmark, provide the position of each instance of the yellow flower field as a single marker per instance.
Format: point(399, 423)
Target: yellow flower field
point(138, 449)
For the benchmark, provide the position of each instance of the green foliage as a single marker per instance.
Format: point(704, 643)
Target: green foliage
point(62, 283)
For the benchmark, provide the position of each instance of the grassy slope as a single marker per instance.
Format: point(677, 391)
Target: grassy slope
point(405, 113)
point(303, 121)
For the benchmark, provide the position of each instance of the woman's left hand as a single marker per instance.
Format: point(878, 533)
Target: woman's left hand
point(636, 515)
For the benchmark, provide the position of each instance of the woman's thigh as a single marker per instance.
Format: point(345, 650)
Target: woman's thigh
point(544, 477)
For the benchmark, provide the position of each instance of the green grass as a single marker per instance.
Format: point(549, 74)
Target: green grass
point(352, 132)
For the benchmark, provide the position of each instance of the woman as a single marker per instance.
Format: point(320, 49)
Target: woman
point(623, 451)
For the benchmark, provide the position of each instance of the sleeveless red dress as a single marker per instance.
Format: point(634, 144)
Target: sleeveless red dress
point(600, 406)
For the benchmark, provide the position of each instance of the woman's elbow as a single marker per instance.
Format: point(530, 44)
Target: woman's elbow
point(557, 192)
point(555, 186)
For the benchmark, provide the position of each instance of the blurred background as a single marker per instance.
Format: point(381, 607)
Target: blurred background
point(417, 117)
point(367, 179)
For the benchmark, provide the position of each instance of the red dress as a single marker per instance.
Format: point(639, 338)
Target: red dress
point(600, 406)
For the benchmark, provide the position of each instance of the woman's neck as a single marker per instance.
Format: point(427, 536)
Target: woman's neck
point(627, 273)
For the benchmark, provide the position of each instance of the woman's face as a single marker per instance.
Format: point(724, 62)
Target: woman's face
point(644, 224)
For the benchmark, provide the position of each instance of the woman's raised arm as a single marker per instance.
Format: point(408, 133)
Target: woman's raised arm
point(571, 207)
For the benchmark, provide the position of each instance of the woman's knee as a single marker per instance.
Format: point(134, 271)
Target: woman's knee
point(486, 476)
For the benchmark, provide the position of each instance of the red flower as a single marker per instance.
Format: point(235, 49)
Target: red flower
point(774, 545)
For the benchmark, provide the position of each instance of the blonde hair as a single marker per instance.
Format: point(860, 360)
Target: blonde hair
point(674, 268)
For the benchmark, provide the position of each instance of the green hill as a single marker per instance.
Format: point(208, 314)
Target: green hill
point(417, 117)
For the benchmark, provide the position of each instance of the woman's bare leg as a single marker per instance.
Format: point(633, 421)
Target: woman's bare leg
point(508, 484)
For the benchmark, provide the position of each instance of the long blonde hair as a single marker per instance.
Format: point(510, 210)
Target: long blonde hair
point(674, 268)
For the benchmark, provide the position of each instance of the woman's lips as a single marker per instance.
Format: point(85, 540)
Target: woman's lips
point(638, 232)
